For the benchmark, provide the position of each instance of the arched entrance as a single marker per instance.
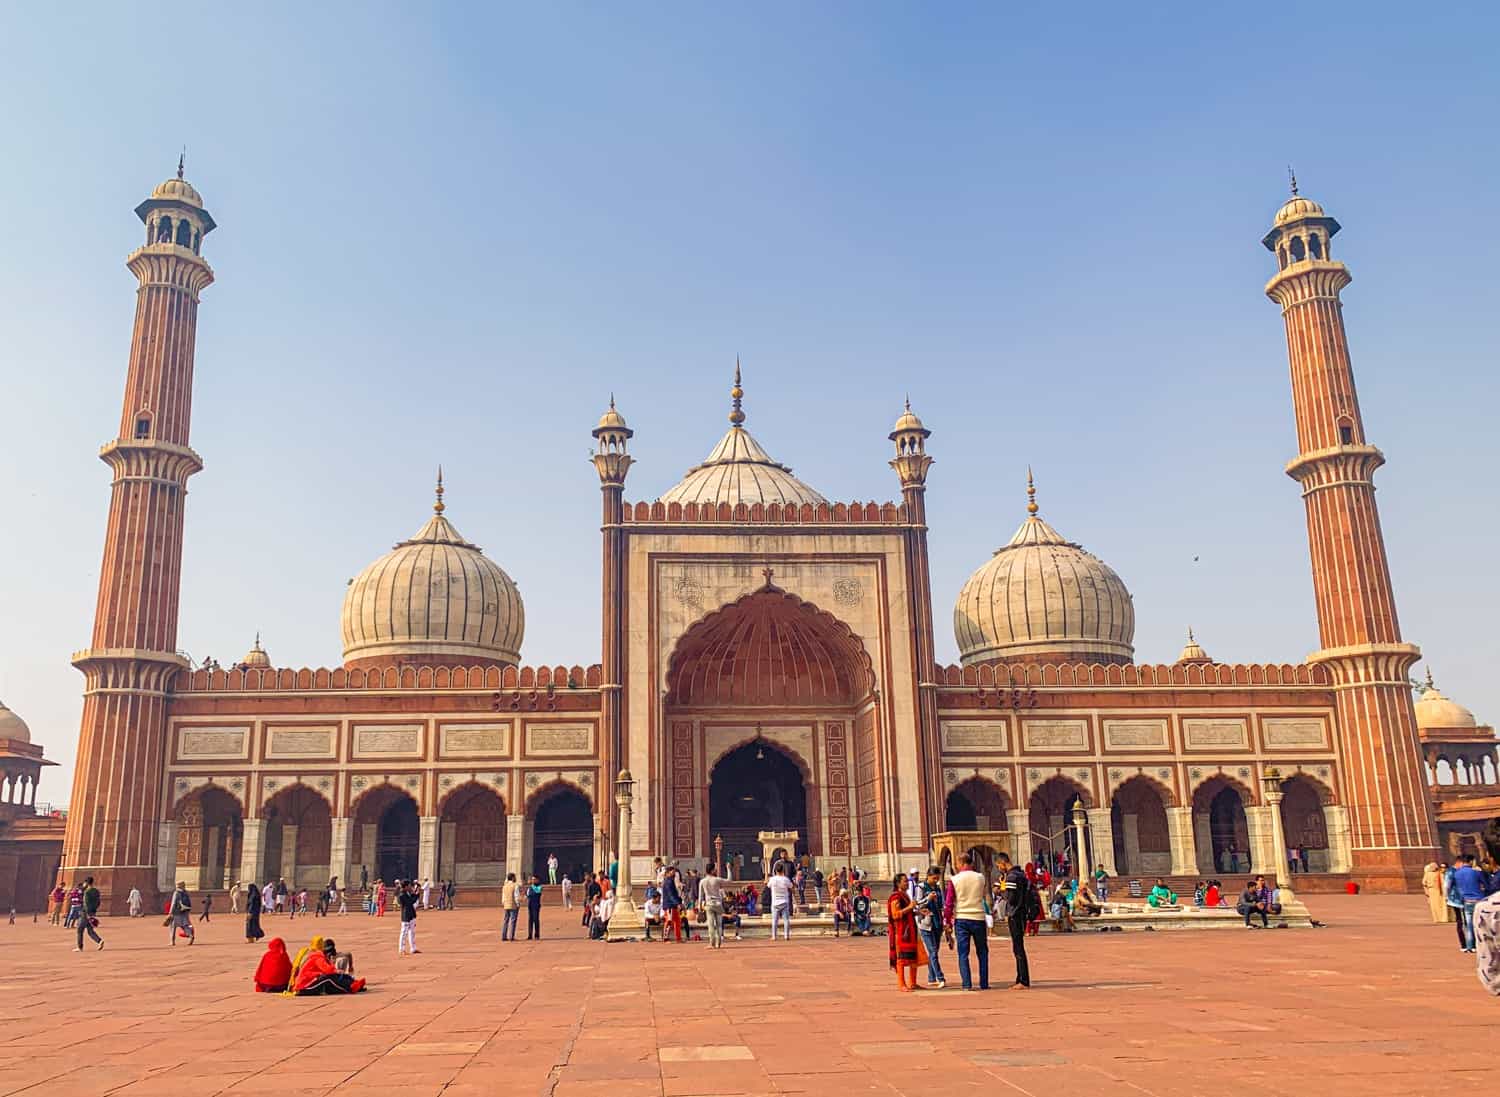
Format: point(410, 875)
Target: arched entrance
point(389, 833)
point(1303, 822)
point(473, 836)
point(1142, 841)
point(298, 837)
point(754, 787)
point(210, 827)
point(562, 823)
point(1220, 827)
point(1051, 813)
point(977, 804)
point(798, 683)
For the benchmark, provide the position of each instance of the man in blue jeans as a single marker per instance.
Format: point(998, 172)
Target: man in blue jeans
point(1468, 883)
point(964, 913)
point(930, 902)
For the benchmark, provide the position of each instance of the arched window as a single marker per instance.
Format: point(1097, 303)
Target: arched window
point(164, 231)
point(1315, 245)
point(143, 424)
point(1489, 769)
point(1281, 256)
point(197, 241)
point(184, 234)
point(1444, 772)
point(1298, 252)
point(1346, 431)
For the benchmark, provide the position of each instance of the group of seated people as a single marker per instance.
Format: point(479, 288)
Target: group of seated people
point(1070, 899)
point(853, 912)
point(320, 968)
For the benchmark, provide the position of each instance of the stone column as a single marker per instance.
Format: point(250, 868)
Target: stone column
point(209, 873)
point(1130, 823)
point(1103, 829)
point(250, 852)
point(289, 855)
point(1080, 835)
point(1336, 820)
point(1203, 839)
point(448, 852)
point(1291, 906)
point(515, 838)
point(166, 855)
point(338, 850)
point(1020, 835)
point(427, 847)
point(368, 837)
point(601, 853)
point(1184, 848)
point(627, 917)
point(1262, 857)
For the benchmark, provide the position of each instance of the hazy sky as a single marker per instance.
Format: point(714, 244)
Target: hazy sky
point(448, 233)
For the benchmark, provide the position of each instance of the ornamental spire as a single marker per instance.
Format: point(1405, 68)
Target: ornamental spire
point(181, 161)
point(1031, 507)
point(437, 507)
point(736, 395)
point(1293, 176)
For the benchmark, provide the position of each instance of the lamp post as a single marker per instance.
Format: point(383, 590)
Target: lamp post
point(1080, 821)
point(1270, 782)
point(626, 916)
point(719, 856)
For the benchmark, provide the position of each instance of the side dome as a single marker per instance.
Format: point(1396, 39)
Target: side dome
point(12, 727)
point(1043, 599)
point(1297, 208)
point(1436, 712)
point(434, 600)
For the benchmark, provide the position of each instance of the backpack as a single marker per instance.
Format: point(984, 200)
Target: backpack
point(1031, 901)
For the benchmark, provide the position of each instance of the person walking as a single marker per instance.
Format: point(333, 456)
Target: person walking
point(208, 905)
point(180, 914)
point(567, 892)
point(234, 897)
point(57, 898)
point(929, 913)
point(964, 915)
point(551, 868)
point(426, 894)
point(510, 904)
point(902, 938)
point(780, 886)
point(343, 900)
point(711, 895)
point(1022, 903)
point(268, 898)
point(75, 906)
point(253, 906)
point(88, 908)
point(534, 910)
point(408, 896)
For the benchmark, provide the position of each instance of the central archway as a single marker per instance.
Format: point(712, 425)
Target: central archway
point(562, 824)
point(752, 788)
point(390, 815)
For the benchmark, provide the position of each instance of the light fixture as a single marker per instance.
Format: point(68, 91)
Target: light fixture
point(760, 754)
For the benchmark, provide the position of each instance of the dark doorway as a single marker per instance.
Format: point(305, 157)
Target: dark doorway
point(753, 788)
point(565, 826)
point(1228, 831)
point(396, 841)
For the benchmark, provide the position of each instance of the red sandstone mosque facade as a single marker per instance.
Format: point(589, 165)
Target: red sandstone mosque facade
point(767, 663)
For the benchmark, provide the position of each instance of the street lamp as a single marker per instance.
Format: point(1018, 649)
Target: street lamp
point(1080, 822)
point(626, 916)
point(1270, 781)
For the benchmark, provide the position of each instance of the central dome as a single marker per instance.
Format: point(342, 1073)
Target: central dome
point(1041, 598)
point(739, 471)
point(12, 727)
point(435, 600)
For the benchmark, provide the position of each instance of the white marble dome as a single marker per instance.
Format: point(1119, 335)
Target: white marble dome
point(1043, 598)
point(12, 727)
point(433, 598)
point(1435, 711)
point(740, 471)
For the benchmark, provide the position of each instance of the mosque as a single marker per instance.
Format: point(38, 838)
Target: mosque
point(767, 664)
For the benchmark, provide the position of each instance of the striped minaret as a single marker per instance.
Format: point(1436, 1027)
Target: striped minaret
point(115, 813)
point(1392, 832)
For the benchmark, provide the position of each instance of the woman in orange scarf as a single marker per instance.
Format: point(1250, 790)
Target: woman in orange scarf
point(905, 943)
point(274, 971)
point(316, 974)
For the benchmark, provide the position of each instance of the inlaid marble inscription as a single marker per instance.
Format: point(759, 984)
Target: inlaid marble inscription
point(1055, 734)
point(1209, 734)
point(215, 742)
point(476, 738)
point(1135, 734)
point(989, 736)
point(388, 739)
point(559, 739)
point(1294, 733)
point(301, 742)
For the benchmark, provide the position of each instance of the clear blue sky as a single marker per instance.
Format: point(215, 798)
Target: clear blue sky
point(448, 234)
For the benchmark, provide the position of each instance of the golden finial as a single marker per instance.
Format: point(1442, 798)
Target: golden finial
point(437, 507)
point(182, 162)
point(908, 401)
point(1293, 176)
point(1031, 507)
point(257, 640)
point(611, 401)
point(737, 415)
point(1429, 679)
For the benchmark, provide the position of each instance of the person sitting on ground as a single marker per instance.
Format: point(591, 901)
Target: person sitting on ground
point(1200, 893)
point(843, 913)
point(732, 913)
point(1253, 902)
point(651, 913)
point(317, 974)
point(274, 971)
point(1085, 902)
point(1060, 909)
point(752, 901)
point(604, 909)
point(1161, 895)
point(1212, 896)
point(861, 906)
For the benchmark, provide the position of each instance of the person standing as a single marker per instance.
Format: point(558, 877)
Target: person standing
point(592, 892)
point(268, 898)
point(929, 914)
point(1022, 903)
point(88, 909)
point(711, 895)
point(781, 902)
point(1432, 885)
point(134, 903)
point(902, 938)
point(57, 897)
point(180, 914)
point(671, 904)
point(381, 897)
point(408, 896)
point(208, 905)
point(551, 868)
point(1486, 916)
point(75, 906)
point(567, 892)
point(364, 878)
point(510, 904)
point(1468, 883)
point(534, 909)
point(965, 917)
point(253, 906)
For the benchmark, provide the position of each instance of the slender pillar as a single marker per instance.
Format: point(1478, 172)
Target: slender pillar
point(210, 873)
point(251, 846)
point(1020, 835)
point(288, 867)
point(1180, 831)
point(132, 658)
point(448, 852)
point(427, 846)
point(515, 844)
point(1103, 829)
point(612, 462)
point(1082, 871)
point(626, 921)
point(1393, 830)
point(338, 849)
point(166, 858)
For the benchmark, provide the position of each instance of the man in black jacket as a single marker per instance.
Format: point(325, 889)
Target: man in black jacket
point(86, 919)
point(1018, 897)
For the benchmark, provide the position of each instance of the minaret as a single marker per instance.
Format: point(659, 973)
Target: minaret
point(116, 808)
point(612, 462)
point(1392, 829)
point(911, 464)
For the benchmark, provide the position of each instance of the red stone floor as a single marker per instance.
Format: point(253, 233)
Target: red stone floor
point(1379, 1003)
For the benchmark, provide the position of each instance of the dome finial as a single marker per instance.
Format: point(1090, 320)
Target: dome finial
point(1191, 638)
point(737, 394)
point(611, 401)
point(1031, 507)
point(1293, 176)
point(182, 161)
point(257, 639)
point(1429, 679)
point(437, 507)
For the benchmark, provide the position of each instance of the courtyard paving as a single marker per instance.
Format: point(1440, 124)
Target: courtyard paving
point(1381, 1002)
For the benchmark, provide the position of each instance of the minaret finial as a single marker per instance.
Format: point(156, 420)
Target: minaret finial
point(1031, 507)
point(1293, 176)
point(611, 401)
point(1191, 640)
point(737, 394)
point(257, 639)
point(908, 401)
point(437, 507)
point(182, 162)
point(1429, 679)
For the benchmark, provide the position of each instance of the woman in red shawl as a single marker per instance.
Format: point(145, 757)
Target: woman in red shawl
point(317, 975)
point(1034, 926)
point(274, 970)
point(905, 943)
